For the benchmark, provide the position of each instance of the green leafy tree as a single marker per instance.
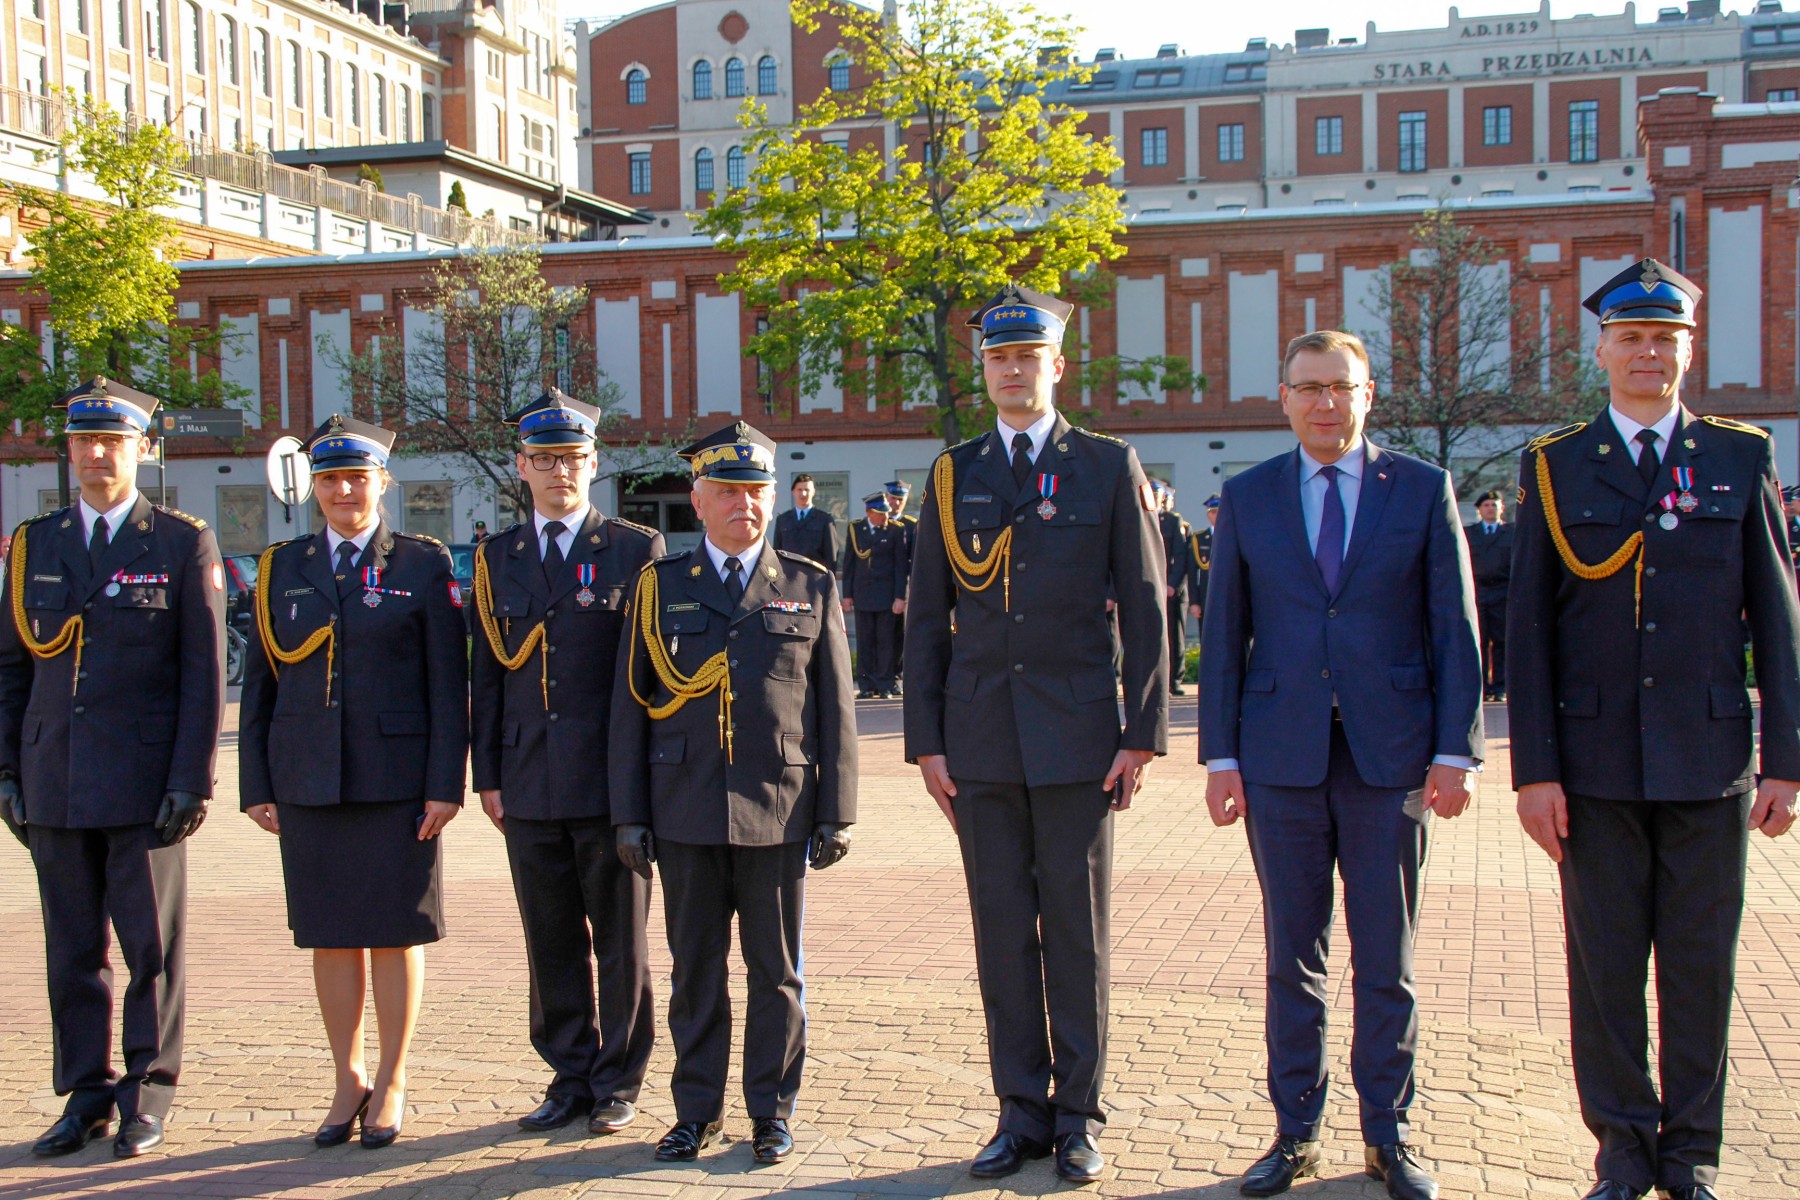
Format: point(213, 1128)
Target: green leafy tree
point(499, 336)
point(457, 198)
point(1466, 374)
point(371, 173)
point(863, 260)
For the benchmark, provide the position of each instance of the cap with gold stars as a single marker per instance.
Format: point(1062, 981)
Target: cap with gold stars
point(103, 405)
point(1019, 316)
point(556, 419)
point(346, 444)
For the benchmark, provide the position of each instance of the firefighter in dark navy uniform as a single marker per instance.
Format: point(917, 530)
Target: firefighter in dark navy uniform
point(874, 575)
point(1175, 535)
point(733, 767)
point(111, 694)
point(353, 746)
point(897, 492)
point(1641, 538)
point(1490, 558)
point(557, 586)
point(1012, 715)
point(1200, 551)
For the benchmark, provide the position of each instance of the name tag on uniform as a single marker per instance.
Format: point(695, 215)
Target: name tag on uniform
point(298, 592)
point(46, 579)
point(681, 608)
point(788, 606)
point(977, 499)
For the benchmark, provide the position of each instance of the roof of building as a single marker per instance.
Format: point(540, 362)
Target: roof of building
point(1171, 77)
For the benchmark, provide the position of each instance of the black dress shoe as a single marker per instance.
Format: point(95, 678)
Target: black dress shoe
point(1693, 1191)
point(139, 1133)
point(379, 1137)
point(1287, 1160)
point(1175, 689)
point(1396, 1163)
point(771, 1142)
point(1078, 1159)
point(1612, 1189)
point(337, 1135)
point(70, 1133)
point(686, 1139)
point(611, 1115)
point(1005, 1155)
point(555, 1112)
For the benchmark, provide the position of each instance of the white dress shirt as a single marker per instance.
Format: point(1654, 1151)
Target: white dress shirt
point(747, 560)
point(1038, 431)
point(115, 517)
point(564, 540)
point(1628, 429)
point(361, 541)
point(1312, 490)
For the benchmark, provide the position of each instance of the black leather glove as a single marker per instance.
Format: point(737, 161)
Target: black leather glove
point(12, 808)
point(827, 845)
point(637, 848)
point(181, 813)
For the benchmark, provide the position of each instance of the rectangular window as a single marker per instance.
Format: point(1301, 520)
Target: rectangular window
point(259, 63)
point(296, 96)
point(428, 117)
point(1328, 136)
point(1496, 125)
point(324, 97)
point(1154, 147)
point(196, 39)
point(78, 15)
point(426, 508)
point(640, 174)
point(1584, 131)
point(1231, 143)
point(353, 94)
point(1412, 141)
point(403, 119)
point(154, 31)
point(122, 23)
point(1783, 95)
point(228, 50)
point(380, 101)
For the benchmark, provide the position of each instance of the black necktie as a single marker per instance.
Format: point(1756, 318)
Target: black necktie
point(553, 555)
point(1648, 461)
point(734, 581)
point(346, 568)
point(1021, 457)
point(97, 544)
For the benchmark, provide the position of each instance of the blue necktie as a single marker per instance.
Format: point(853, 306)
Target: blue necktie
point(1330, 551)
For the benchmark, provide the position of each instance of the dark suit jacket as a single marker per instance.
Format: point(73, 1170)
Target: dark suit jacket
point(815, 538)
point(794, 749)
point(397, 724)
point(875, 582)
point(549, 761)
point(1395, 644)
point(143, 719)
point(1624, 703)
point(1490, 559)
point(1027, 694)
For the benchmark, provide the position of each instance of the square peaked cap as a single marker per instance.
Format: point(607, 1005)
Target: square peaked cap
point(896, 487)
point(103, 405)
point(346, 444)
point(556, 419)
point(1022, 317)
point(875, 502)
point(1646, 291)
point(738, 453)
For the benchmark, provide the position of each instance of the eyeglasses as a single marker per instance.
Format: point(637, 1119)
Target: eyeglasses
point(1316, 391)
point(548, 462)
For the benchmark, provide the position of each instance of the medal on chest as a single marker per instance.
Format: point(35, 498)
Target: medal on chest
point(1668, 520)
point(1684, 479)
point(584, 574)
point(121, 580)
point(1046, 488)
point(372, 585)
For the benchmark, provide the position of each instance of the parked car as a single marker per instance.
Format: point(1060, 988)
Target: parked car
point(240, 600)
point(462, 564)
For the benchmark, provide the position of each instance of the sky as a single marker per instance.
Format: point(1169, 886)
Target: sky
point(1136, 28)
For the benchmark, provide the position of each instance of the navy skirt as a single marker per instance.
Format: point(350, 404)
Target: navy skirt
point(359, 877)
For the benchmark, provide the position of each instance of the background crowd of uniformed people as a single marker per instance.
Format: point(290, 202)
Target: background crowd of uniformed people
point(628, 712)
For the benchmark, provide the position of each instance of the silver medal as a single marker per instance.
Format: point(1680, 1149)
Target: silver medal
point(1668, 520)
point(112, 589)
point(372, 599)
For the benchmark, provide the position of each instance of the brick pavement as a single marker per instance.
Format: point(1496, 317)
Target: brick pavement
point(896, 1097)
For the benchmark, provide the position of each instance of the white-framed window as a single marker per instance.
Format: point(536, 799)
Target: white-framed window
point(155, 31)
point(1783, 95)
point(228, 50)
point(260, 70)
point(353, 94)
point(403, 121)
point(1153, 147)
point(196, 37)
point(1413, 131)
point(837, 73)
point(379, 99)
point(640, 172)
point(122, 24)
point(1584, 131)
point(326, 79)
point(1328, 136)
point(296, 75)
point(78, 15)
point(637, 87)
point(1231, 143)
point(1496, 125)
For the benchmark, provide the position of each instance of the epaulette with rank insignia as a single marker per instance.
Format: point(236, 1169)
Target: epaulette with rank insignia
point(1098, 436)
point(1555, 435)
point(634, 526)
point(1735, 426)
point(196, 522)
point(419, 537)
point(961, 445)
point(802, 559)
point(667, 558)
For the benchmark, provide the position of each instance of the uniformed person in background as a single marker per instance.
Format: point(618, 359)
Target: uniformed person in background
point(1013, 718)
point(550, 598)
point(874, 574)
point(806, 529)
point(1200, 550)
point(1490, 555)
point(1175, 534)
point(897, 491)
point(733, 766)
point(112, 690)
point(1641, 536)
point(1790, 504)
point(353, 740)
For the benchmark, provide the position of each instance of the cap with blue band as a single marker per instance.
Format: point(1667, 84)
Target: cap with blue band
point(1019, 316)
point(556, 419)
point(1646, 291)
point(103, 405)
point(346, 444)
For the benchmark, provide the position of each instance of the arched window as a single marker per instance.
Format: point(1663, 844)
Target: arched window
point(838, 74)
point(636, 86)
point(765, 76)
point(734, 167)
point(703, 80)
point(734, 77)
point(703, 171)
point(196, 38)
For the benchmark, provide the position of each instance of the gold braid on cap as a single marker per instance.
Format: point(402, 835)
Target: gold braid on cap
point(999, 559)
point(484, 606)
point(714, 674)
point(1633, 547)
point(69, 634)
point(325, 636)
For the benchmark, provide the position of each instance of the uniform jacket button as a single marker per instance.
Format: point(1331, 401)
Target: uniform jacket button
point(80, 709)
point(1649, 570)
point(1325, 674)
point(1649, 682)
point(734, 663)
point(549, 612)
point(1018, 668)
point(732, 634)
point(1018, 618)
point(552, 683)
point(553, 716)
point(1650, 627)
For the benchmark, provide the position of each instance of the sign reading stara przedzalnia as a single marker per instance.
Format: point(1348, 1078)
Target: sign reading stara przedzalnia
point(1545, 62)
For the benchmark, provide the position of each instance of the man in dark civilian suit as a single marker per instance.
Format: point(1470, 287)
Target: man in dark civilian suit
point(1490, 557)
point(1644, 538)
point(1175, 533)
point(1340, 706)
point(1012, 714)
point(559, 584)
point(806, 529)
point(112, 690)
point(733, 768)
point(875, 566)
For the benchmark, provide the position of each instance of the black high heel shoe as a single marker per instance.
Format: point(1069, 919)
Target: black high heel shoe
point(337, 1135)
point(375, 1137)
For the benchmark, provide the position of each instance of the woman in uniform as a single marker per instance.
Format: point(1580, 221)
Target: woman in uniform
point(353, 742)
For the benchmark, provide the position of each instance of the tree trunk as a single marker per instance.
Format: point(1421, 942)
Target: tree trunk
point(949, 424)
